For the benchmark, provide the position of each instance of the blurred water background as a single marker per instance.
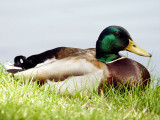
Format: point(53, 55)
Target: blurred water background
point(32, 26)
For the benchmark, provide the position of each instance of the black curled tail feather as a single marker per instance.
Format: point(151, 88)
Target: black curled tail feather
point(19, 60)
point(23, 62)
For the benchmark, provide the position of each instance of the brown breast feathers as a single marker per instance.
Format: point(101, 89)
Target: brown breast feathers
point(129, 72)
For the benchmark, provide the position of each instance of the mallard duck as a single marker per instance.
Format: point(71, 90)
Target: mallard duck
point(87, 67)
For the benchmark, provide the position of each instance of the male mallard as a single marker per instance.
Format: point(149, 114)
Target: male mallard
point(88, 67)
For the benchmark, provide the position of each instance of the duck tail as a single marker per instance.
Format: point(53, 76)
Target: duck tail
point(11, 68)
point(17, 66)
point(21, 63)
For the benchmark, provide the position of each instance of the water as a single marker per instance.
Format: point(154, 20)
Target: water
point(33, 26)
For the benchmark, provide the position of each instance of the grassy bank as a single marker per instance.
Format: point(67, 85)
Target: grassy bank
point(29, 101)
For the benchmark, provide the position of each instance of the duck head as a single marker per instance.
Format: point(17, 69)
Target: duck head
point(114, 39)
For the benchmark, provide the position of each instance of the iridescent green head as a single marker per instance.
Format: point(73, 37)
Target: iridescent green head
point(114, 39)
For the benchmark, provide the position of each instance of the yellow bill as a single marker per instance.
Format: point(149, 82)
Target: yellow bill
point(133, 47)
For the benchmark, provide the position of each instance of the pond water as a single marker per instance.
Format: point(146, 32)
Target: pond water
point(33, 26)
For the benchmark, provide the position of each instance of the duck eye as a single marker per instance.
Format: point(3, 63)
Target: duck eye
point(117, 34)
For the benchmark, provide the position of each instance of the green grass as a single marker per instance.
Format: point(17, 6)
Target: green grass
point(29, 101)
